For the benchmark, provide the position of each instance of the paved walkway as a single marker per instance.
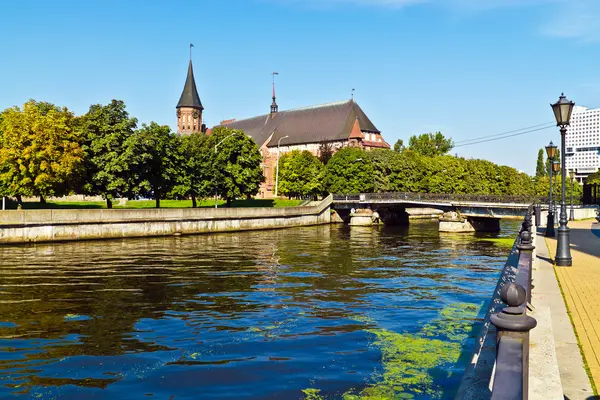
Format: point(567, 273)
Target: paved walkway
point(581, 288)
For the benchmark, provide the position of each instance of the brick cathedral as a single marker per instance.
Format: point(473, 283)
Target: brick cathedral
point(338, 125)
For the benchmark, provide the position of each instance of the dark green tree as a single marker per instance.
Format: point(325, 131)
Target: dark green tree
point(399, 146)
point(350, 171)
point(107, 168)
point(301, 174)
point(236, 163)
point(195, 177)
point(540, 169)
point(430, 144)
point(157, 162)
point(593, 178)
point(326, 151)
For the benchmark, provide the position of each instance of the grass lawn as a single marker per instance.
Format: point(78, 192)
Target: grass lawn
point(11, 205)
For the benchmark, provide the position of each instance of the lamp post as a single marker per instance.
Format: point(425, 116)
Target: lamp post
point(277, 167)
point(572, 176)
point(563, 109)
point(551, 153)
point(555, 171)
point(214, 176)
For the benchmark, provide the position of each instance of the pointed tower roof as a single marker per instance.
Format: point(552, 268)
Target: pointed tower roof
point(189, 96)
point(356, 133)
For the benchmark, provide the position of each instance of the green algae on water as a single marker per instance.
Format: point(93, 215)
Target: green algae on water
point(408, 358)
point(501, 241)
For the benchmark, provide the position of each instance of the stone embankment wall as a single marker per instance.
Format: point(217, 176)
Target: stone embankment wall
point(31, 226)
point(585, 212)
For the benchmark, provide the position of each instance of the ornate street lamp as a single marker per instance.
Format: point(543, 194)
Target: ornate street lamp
point(551, 153)
point(572, 176)
point(563, 109)
point(555, 171)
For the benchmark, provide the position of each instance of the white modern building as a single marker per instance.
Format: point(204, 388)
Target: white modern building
point(583, 142)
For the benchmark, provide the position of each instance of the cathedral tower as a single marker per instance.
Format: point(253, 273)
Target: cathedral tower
point(189, 107)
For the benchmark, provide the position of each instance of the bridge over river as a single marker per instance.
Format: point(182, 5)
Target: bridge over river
point(462, 213)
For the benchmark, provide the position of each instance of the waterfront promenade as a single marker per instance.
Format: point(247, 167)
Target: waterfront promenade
point(580, 286)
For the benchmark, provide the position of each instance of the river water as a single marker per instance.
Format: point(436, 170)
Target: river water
point(327, 312)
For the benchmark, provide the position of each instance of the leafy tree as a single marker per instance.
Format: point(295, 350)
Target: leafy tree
point(399, 146)
point(593, 178)
point(350, 171)
point(407, 171)
point(107, 167)
point(445, 174)
point(396, 172)
point(382, 161)
point(301, 174)
point(40, 152)
point(542, 189)
point(540, 170)
point(326, 151)
point(429, 144)
point(236, 164)
point(195, 178)
point(156, 159)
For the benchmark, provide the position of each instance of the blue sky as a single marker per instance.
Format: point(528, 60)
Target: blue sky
point(466, 67)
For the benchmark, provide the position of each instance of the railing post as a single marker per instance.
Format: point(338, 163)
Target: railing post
point(525, 265)
point(538, 215)
point(527, 222)
point(511, 380)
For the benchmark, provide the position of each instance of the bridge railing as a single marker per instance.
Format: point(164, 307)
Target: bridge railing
point(439, 197)
point(506, 363)
point(511, 378)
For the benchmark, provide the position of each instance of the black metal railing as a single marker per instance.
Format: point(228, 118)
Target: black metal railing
point(439, 197)
point(513, 325)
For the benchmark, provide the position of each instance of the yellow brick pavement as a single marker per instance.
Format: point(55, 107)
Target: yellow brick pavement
point(581, 288)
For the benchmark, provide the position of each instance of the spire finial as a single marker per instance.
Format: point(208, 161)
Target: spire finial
point(274, 106)
point(191, 45)
point(352, 95)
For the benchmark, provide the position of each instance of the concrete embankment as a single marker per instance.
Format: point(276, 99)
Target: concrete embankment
point(31, 226)
point(579, 212)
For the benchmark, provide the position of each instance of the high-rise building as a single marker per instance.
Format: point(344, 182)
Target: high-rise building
point(189, 107)
point(583, 142)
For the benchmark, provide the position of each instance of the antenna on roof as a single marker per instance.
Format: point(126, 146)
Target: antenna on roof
point(353, 94)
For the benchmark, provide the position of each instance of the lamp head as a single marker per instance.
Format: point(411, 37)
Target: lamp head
point(555, 166)
point(562, 110)
point(551, 151)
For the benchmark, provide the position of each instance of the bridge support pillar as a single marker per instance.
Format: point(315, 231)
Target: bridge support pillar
point(361, 217)
point(454, 222)
point(394, 216)
point(485, 224)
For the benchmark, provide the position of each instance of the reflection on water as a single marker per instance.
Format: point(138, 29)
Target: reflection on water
point(320, 312)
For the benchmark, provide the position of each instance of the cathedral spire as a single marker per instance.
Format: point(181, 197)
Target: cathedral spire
point(274, 106)
point(189, 96)
point(189, 108)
